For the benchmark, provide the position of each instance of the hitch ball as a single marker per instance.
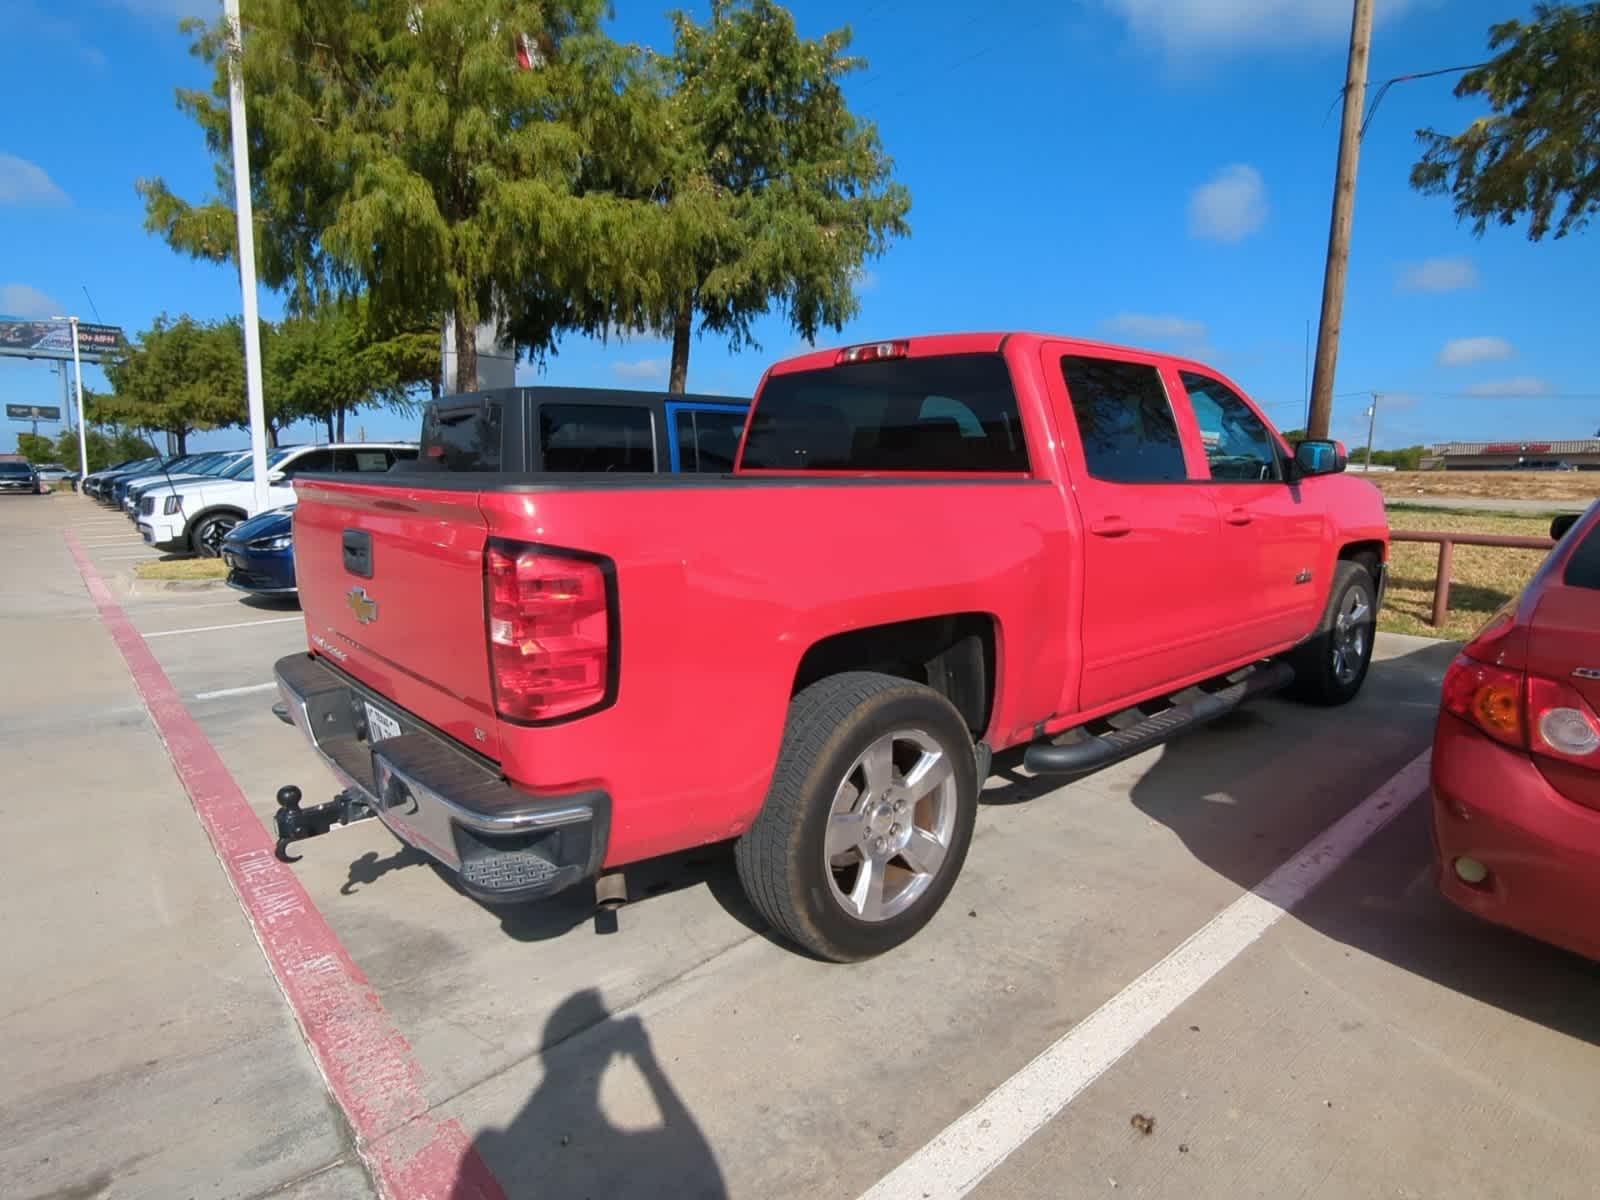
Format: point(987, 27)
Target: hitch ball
point(289, 797)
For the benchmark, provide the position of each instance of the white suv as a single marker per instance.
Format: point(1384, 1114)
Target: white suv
point(193, 516)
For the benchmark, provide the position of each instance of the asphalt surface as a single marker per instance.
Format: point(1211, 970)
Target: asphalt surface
point(1532, 508)
point(1371, 1042)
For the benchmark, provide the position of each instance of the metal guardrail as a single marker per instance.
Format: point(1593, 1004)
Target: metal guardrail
point(1447, 542)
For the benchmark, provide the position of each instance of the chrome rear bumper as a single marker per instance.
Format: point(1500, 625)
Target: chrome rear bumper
point(505, 844)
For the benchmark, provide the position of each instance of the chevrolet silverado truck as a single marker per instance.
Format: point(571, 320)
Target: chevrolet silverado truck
point(928, 550)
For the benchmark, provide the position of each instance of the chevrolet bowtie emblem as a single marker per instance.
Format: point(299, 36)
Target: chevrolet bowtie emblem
point(363, 605)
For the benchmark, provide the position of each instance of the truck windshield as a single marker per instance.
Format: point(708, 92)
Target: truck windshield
point(946, 413)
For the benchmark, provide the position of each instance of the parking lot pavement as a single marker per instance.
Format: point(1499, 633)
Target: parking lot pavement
point(1371, 1042)
point(148, 1054)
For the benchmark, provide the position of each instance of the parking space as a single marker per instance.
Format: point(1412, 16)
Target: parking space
point(1371, 1042)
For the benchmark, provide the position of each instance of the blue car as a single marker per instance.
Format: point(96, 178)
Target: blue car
point(260, 554)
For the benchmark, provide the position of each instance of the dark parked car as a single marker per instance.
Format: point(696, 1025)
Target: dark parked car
point(20, 477)
point(260, 554)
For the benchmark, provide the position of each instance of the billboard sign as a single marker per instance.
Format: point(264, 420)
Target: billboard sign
point(53, 339)
point(33, 412)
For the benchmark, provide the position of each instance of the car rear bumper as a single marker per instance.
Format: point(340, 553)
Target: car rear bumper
point(503, 844)
point(1492, 804)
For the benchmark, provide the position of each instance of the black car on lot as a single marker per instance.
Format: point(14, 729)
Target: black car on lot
point(20, 477)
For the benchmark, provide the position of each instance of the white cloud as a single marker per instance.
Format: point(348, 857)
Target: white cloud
point(1464, 352)
point(1182, 25)
point(22, 300)
point(1152, 328)
point(644, 368)
point(1519, 385)
point(1231, 206)
point(1438, 275)
point(23, 182)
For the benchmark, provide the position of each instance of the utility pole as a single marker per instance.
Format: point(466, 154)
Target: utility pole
point(1372, 420)
point(77, 375)
point(247, 255)
point(1344, 205)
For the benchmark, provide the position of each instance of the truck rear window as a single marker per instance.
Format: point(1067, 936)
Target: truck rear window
point(463, 436)
point(951, 412)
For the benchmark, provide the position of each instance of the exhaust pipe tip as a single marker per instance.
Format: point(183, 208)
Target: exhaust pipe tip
point(610, 891)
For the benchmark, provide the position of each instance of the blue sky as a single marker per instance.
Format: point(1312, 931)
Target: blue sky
point(1155, 172)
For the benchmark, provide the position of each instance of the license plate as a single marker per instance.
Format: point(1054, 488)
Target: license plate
point(380, 725)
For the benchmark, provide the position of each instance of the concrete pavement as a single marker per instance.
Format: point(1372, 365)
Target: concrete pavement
point(1373, 1042)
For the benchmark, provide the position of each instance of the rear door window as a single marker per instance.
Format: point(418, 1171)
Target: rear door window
point(310, 463)
point(1124, 420)
point(361, 460)
point(1583, 568)
point(945, 413)
point(708, 439)
point(596, 438)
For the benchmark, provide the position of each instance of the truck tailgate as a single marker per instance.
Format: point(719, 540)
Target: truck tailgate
point(391, 580)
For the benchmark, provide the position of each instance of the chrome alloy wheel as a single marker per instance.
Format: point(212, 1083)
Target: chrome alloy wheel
point(1352, 631)
point(891, 824)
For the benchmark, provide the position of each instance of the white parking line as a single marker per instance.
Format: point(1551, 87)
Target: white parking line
point(959, 1158)
point(212, 628)
point(238, 691)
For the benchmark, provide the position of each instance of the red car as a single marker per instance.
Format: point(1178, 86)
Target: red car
point(1516, 757)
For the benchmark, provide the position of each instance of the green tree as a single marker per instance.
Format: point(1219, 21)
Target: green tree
point(183, 376)
point(1537, 155)
point(777, 193)
point(36, 448)
point(333, 362)
point(454, 158)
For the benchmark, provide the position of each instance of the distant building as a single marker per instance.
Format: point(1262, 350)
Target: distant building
point(1584, 454)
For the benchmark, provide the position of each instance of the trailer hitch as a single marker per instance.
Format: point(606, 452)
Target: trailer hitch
point(295, 823)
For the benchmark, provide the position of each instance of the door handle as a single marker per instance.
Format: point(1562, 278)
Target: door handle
point(1110, 527)
point(1238, 516)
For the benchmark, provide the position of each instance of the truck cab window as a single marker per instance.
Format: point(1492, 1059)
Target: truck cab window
point(594, 437)
point(1124, 420)
point(1238, 447)
point(708, 440)
point(943, 413)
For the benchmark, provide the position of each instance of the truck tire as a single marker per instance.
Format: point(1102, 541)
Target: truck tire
point(1330, 667)
point(868, 819)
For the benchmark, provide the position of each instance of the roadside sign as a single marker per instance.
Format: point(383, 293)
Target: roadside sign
point(53, 339)
point(33, 412)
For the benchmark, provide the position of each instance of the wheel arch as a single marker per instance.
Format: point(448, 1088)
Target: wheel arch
point(215, 510)
point(952, 653)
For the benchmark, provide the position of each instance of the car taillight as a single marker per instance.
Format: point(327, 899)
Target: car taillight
point(550, 635)
point(872, 352)
point(1561, 723)
point(1489, 697)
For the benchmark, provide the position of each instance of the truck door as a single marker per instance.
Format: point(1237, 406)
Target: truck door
point(1149, 568)
point(1271, 545)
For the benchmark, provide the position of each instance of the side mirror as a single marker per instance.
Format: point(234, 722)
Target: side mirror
point(276, 476)
point(1559, 527)
point(1318, 458)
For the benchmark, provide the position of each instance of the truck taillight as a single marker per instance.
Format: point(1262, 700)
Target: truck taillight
point(551, 637)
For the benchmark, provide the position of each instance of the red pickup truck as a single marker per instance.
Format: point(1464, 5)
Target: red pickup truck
point(929, 550)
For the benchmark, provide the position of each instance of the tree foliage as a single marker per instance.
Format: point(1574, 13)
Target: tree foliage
point(104, 447)
point(402, 152)
point(1537, 155)
point(332, 362)
point(182, 376)
point(777, 192)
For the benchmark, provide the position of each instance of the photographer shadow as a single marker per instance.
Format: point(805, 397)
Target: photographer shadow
point(563, 1142)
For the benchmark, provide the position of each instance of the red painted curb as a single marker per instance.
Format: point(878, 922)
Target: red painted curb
point(367, 1064)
